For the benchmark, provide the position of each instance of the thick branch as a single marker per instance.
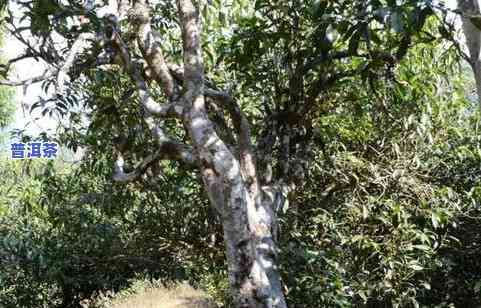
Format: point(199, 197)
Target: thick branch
point(149, 43)
point(121, 176)
point(168, 151)
point(150, 105)
point(242, 126)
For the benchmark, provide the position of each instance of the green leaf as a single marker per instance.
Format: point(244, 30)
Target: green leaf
point(422, 247)
point(477, 287)
point(435, 220)
point(415, 266)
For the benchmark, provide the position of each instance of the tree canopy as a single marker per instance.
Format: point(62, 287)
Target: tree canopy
point(324, 150)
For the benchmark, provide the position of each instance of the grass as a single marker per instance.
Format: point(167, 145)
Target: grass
point(180, 296)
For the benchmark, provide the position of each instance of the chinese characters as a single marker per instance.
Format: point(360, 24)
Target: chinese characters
point(33, 150)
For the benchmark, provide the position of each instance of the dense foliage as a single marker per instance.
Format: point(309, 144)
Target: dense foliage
point(387, 217)
point(385, 212)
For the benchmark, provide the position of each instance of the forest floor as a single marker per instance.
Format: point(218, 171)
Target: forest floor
point(182, 296)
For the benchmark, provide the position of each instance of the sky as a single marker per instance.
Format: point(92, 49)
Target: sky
point(32, 122)
point(24, 99)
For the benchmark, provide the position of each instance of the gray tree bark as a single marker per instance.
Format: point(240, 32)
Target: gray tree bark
point(231, 183)
point(473, 39)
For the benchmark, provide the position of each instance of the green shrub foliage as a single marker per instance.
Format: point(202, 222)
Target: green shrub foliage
point(387, 216)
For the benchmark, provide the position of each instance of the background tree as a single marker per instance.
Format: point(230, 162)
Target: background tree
point(470, 12)
point(7, 104)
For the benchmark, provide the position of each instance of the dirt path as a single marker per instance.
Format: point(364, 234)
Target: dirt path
point(183, 296)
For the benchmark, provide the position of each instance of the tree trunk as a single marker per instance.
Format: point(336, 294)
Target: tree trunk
point(251, 254)
point(476, 66)
point(247, 218)
point(473, 39)
point(232, 185)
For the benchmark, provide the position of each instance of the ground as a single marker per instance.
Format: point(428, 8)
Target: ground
point(180, 296)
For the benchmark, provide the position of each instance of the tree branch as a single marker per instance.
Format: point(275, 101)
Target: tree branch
point(149, 44)
point(9, 63)
point(149, 104)
point(168, 151)
point(78, 46)
point(325, 58)
point(59, 72)
point(121, 176)
point(25, 82)
point(242, 126)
